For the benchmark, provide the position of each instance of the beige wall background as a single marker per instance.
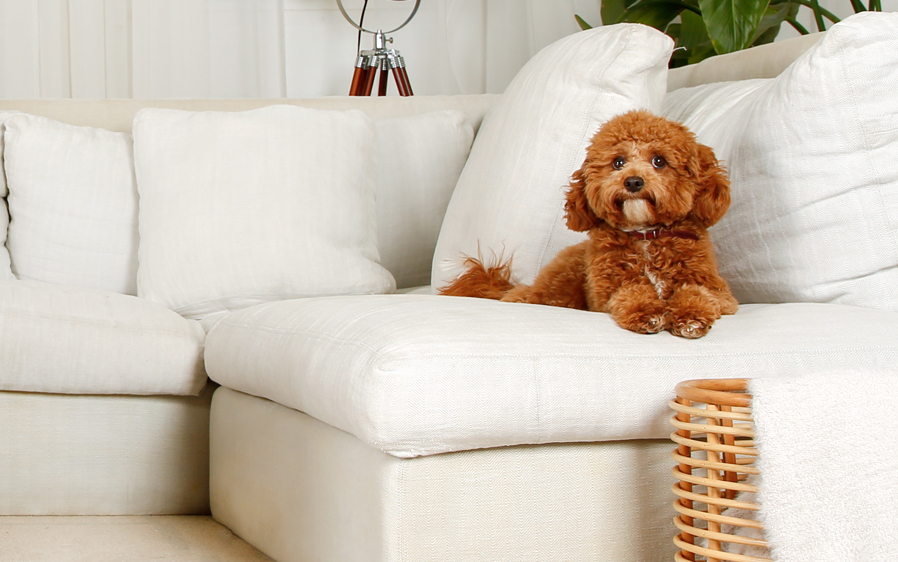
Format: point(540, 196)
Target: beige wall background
point(273, 48)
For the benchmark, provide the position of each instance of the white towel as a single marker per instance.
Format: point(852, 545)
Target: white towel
point(828, 454)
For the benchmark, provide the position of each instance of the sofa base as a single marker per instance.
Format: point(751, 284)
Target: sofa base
point(301, 490)
point(104, 455)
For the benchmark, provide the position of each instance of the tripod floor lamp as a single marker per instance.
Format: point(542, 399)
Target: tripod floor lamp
point(375, 64)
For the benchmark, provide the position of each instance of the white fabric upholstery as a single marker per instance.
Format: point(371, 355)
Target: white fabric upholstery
point(509, 199)
point(73, 340)
point(423, 143)
point(5, 268)
point(763, 61)
point(419, 160)
point(811, 156)
point(104, 455)
point(422, 374)
point(118, 114)
point(242, 208)
point(4, 115)
point(73, 203)
point(301, 490)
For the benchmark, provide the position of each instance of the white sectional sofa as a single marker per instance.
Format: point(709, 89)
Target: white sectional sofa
point(260, 242)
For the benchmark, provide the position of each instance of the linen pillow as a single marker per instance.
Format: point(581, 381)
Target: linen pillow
point(811, 156)
point(73, 204)
point(248, 207)
point(5, 268)
point(419, 160)
point(510, 196)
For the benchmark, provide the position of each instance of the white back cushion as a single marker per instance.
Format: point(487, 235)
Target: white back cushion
point(510, 196)
point(247, 207)
point(72, 203)
point(419, 160)
point(812, 159)
point(5, 268)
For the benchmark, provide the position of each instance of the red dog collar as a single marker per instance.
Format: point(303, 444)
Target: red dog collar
point(662, 233)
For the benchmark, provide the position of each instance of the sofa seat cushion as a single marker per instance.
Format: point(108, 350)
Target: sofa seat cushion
point(72, 340)
point(417, 375)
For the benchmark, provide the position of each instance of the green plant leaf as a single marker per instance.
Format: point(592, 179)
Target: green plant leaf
point(654, 13)
point(613, 10)
point(732, 23)
point(824, 12)
point(692, 31)
point(694, 37)
point(772, 21)
point(583, 25)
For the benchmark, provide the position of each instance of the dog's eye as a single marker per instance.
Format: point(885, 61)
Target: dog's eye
point(659, 162)
point(618, 163)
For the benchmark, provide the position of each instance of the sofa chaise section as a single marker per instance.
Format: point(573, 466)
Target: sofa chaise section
point(415, 424)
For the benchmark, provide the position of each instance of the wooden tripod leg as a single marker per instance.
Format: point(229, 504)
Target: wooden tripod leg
point(358, 85)
point(382, 84)
point(402, 83)
point(370, 76)
point(358, 76)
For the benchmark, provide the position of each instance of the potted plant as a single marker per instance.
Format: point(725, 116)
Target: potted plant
point(704, 28)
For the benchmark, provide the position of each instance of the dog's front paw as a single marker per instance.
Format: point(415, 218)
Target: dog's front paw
point(690, 328)
point(638, 309)
point(693, 311)
point(648, 320)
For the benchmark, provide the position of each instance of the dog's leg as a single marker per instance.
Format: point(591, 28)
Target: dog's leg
point(693, 310)
point(726, 300)
point(637, 308)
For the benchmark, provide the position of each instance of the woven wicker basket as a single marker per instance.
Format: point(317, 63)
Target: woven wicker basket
point(715, 456)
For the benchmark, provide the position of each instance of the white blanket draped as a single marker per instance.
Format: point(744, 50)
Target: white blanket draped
point(828, 448)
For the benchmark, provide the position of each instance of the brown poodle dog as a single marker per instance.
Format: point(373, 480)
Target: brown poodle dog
point(646, 194)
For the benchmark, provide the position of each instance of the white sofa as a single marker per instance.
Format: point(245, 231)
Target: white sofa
point(411, 426)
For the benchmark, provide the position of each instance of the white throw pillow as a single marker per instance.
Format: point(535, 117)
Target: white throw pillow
point(248, 207)
point(419, 160)
point(4, 115)
point(72, 204)
point(812, 159)
point(510, 197)
point(5, 268)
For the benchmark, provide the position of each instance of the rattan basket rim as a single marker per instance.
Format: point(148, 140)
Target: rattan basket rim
point(725, 392)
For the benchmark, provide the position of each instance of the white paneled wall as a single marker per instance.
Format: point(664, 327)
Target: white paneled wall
point(272, 48)
point(263, 48)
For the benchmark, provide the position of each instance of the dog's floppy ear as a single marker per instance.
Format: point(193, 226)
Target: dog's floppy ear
point(712, 198)
point(577, 212)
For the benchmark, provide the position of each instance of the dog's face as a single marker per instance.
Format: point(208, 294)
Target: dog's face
point(644, 171)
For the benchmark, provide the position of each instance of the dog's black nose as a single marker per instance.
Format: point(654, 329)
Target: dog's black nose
point(634, 184)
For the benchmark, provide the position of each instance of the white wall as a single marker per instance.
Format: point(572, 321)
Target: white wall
point(451, 46)
point(272, 48)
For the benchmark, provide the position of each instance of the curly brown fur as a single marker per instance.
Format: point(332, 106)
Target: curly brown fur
point(481, 281)
point(641, 173)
